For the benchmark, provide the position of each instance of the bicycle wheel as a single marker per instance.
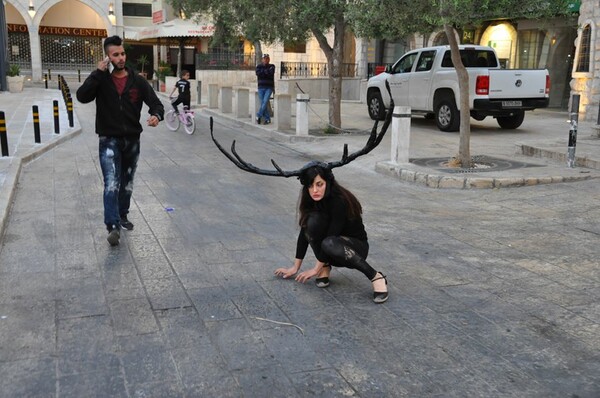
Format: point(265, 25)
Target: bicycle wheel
point(172, 120)
point(190, 123)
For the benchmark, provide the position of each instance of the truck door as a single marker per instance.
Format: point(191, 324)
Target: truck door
point(420, 80)
point(400, 78)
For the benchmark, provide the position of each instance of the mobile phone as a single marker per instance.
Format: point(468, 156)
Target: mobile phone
point(109, 65)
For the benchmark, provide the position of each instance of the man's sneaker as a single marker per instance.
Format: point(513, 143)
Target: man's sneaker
point(257, 120)
point(114, 234)
point(267, 122)
point(126, 224)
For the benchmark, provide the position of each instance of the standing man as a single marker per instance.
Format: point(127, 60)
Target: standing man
point(265, 73)
point(119, 93)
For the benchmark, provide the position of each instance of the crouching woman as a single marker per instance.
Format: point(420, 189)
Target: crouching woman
point(330, 219)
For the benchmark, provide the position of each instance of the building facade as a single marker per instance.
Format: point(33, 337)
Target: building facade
point(59, 34)
point(586, 71)
point(519, 44)
point(49, 35)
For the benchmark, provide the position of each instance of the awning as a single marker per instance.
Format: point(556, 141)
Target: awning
point(176, 28)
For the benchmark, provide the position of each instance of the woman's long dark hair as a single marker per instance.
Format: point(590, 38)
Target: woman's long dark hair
point(307, 204)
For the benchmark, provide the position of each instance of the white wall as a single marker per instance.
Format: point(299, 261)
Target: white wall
point(317, 88)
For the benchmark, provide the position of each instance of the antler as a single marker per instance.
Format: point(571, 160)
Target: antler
point(374, 140)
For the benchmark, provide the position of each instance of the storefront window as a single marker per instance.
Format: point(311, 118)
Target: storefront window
point(19, 50)
point(583, 60)
point(70, 52)
point(530, 46)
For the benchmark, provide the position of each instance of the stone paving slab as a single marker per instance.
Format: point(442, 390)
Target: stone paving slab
point(492, 292)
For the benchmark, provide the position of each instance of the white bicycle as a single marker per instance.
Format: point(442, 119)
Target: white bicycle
point(173, 120)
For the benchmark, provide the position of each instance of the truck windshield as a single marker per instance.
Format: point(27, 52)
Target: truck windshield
point(472, 58)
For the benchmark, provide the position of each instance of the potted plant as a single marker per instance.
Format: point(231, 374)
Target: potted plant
point(163, 70)
point(142, 61)
point(14, 79)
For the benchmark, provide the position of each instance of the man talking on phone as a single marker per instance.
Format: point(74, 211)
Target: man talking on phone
point(119, 93)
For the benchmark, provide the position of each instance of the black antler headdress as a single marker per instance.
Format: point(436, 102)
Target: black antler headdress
point(374, 140)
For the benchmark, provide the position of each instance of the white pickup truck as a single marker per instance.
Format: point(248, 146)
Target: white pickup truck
point(425, 80)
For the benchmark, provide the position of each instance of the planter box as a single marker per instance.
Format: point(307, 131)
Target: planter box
point(15, 83)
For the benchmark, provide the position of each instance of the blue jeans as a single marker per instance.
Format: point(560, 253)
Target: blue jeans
point(118, 160)
point(263, 96)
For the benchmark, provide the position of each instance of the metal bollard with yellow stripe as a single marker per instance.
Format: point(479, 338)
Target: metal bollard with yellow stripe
point(70, 110)
point(56, 122)
point(3, 139)
point(36, 124)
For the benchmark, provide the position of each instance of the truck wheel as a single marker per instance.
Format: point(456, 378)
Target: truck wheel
point(375, 105)
point(447, 116)
point(511, 122)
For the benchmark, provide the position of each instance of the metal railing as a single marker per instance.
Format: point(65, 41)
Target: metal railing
point(221, 61)
point(312, 69)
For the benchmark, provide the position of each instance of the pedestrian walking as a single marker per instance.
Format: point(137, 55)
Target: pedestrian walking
point(265, 73)
point(119, 93)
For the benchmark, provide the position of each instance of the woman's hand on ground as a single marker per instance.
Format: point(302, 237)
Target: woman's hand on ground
point(285, 272)
point(306, 275)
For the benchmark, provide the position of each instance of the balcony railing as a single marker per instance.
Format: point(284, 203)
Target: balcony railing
point(312, 69)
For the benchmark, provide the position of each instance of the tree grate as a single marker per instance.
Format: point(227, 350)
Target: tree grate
point(482, 164)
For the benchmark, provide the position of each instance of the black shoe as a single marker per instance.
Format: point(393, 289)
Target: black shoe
point(257, 120)
point(323, 281)
point(114, 234)
point(126, 224)
point(267, 122)
point(380, 297)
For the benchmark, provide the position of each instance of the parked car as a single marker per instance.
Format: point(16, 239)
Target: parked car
point(425, 80)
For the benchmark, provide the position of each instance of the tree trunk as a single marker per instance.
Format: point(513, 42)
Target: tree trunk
point(180, 56)
point(335, 58)
point(464, 151)
point(257, 51)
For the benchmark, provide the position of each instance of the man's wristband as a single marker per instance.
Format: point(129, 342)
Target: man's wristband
point(158, 117)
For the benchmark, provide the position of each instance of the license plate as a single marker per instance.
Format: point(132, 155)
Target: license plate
point(511, 104)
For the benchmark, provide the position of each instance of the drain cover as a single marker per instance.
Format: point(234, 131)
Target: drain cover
point(482, 164)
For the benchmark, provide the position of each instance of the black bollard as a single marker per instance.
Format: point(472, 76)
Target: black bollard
point(3, 140)
point(574, 116)
point(36, 124)
point(46, 80)
point(59, 82)
point(49, 75)
point(70, 110)
point(56, 122)
point(79, 75)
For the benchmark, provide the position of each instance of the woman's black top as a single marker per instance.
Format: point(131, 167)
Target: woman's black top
point(336, 210)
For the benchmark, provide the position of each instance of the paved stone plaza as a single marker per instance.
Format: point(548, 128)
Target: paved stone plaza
point(493, 292)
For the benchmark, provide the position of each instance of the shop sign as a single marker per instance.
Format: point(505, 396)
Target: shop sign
point(158, 16)
point(59, 30)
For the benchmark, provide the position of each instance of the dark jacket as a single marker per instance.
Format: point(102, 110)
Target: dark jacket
point(335, 210)
point(119, 115)
point(265, 75)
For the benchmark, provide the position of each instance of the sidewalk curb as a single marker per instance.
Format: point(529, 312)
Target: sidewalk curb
point(402, 173)
point(9, 187)
point(528, 150)
point(7, 193)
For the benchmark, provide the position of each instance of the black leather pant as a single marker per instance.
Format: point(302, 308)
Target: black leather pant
point(340, 251)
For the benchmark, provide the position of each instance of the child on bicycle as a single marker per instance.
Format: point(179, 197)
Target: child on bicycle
point(183, 87)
